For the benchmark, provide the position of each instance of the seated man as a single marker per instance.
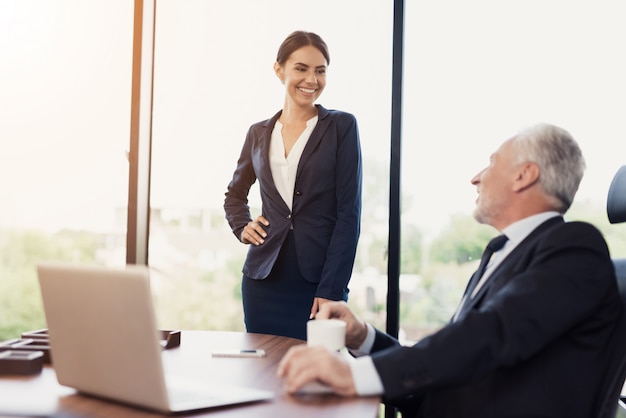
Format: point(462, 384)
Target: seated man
point(532, 335)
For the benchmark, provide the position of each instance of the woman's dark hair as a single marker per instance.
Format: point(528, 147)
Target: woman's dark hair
point(297, 40)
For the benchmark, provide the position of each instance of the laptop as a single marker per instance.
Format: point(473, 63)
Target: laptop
point(104, 341)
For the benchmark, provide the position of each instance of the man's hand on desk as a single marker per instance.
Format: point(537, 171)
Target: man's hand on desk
point(303, 365)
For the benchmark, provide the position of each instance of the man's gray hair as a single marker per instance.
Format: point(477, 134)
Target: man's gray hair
point(560, 160)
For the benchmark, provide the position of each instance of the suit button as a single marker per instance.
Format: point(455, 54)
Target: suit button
point(289, 216)
point(298, 193)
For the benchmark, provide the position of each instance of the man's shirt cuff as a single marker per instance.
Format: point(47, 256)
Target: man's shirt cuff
point(365, 377)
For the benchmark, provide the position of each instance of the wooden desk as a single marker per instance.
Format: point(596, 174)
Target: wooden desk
point(41, 394)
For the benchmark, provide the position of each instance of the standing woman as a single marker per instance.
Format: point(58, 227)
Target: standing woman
point(307, 160)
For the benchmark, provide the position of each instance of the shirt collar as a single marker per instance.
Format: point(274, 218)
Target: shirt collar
point(517, 231)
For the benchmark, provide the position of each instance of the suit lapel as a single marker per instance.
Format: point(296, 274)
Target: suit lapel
point(263, 144)
point(507, 264)
point(323, 122)
point(264, 151)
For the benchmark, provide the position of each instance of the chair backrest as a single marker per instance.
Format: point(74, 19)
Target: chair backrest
point(616, 375)
point(616, 200)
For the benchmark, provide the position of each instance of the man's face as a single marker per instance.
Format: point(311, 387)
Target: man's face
point(494, 185)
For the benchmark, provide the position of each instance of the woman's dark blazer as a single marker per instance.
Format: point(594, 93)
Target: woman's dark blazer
point(535, 344)
point(326, 205)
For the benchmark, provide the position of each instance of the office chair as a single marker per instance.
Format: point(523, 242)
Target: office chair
point(611, 388)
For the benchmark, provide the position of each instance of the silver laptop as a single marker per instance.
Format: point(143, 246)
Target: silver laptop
point(89, 311)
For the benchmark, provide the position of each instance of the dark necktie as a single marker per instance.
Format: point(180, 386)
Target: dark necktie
point(494, 245)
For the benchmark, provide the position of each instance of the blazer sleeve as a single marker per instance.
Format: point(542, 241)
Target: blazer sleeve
point(383, 341)
point(564, 290)
point(341, 252)
point(236, 201)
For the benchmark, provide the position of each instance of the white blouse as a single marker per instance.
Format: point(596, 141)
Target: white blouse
point(284, 168)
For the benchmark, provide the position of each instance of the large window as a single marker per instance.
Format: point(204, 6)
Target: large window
point(214, 78)
point(475, 73)
point(65, 77)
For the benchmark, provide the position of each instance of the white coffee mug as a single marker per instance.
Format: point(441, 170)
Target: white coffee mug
point(330, 333)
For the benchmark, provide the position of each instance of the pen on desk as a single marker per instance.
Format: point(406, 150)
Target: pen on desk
point(239, 353)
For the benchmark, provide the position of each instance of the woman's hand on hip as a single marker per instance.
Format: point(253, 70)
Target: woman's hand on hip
point(253, 233)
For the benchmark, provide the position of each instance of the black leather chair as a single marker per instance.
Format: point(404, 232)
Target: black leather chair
point(616, 200)
point(610, 399)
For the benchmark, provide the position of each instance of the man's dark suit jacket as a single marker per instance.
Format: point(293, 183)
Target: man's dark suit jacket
point(326, 207)
point(535, 343)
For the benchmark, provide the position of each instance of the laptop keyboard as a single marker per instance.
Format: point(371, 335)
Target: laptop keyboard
point(182, 395)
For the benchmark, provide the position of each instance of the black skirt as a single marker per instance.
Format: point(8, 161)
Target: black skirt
point(281, 303)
